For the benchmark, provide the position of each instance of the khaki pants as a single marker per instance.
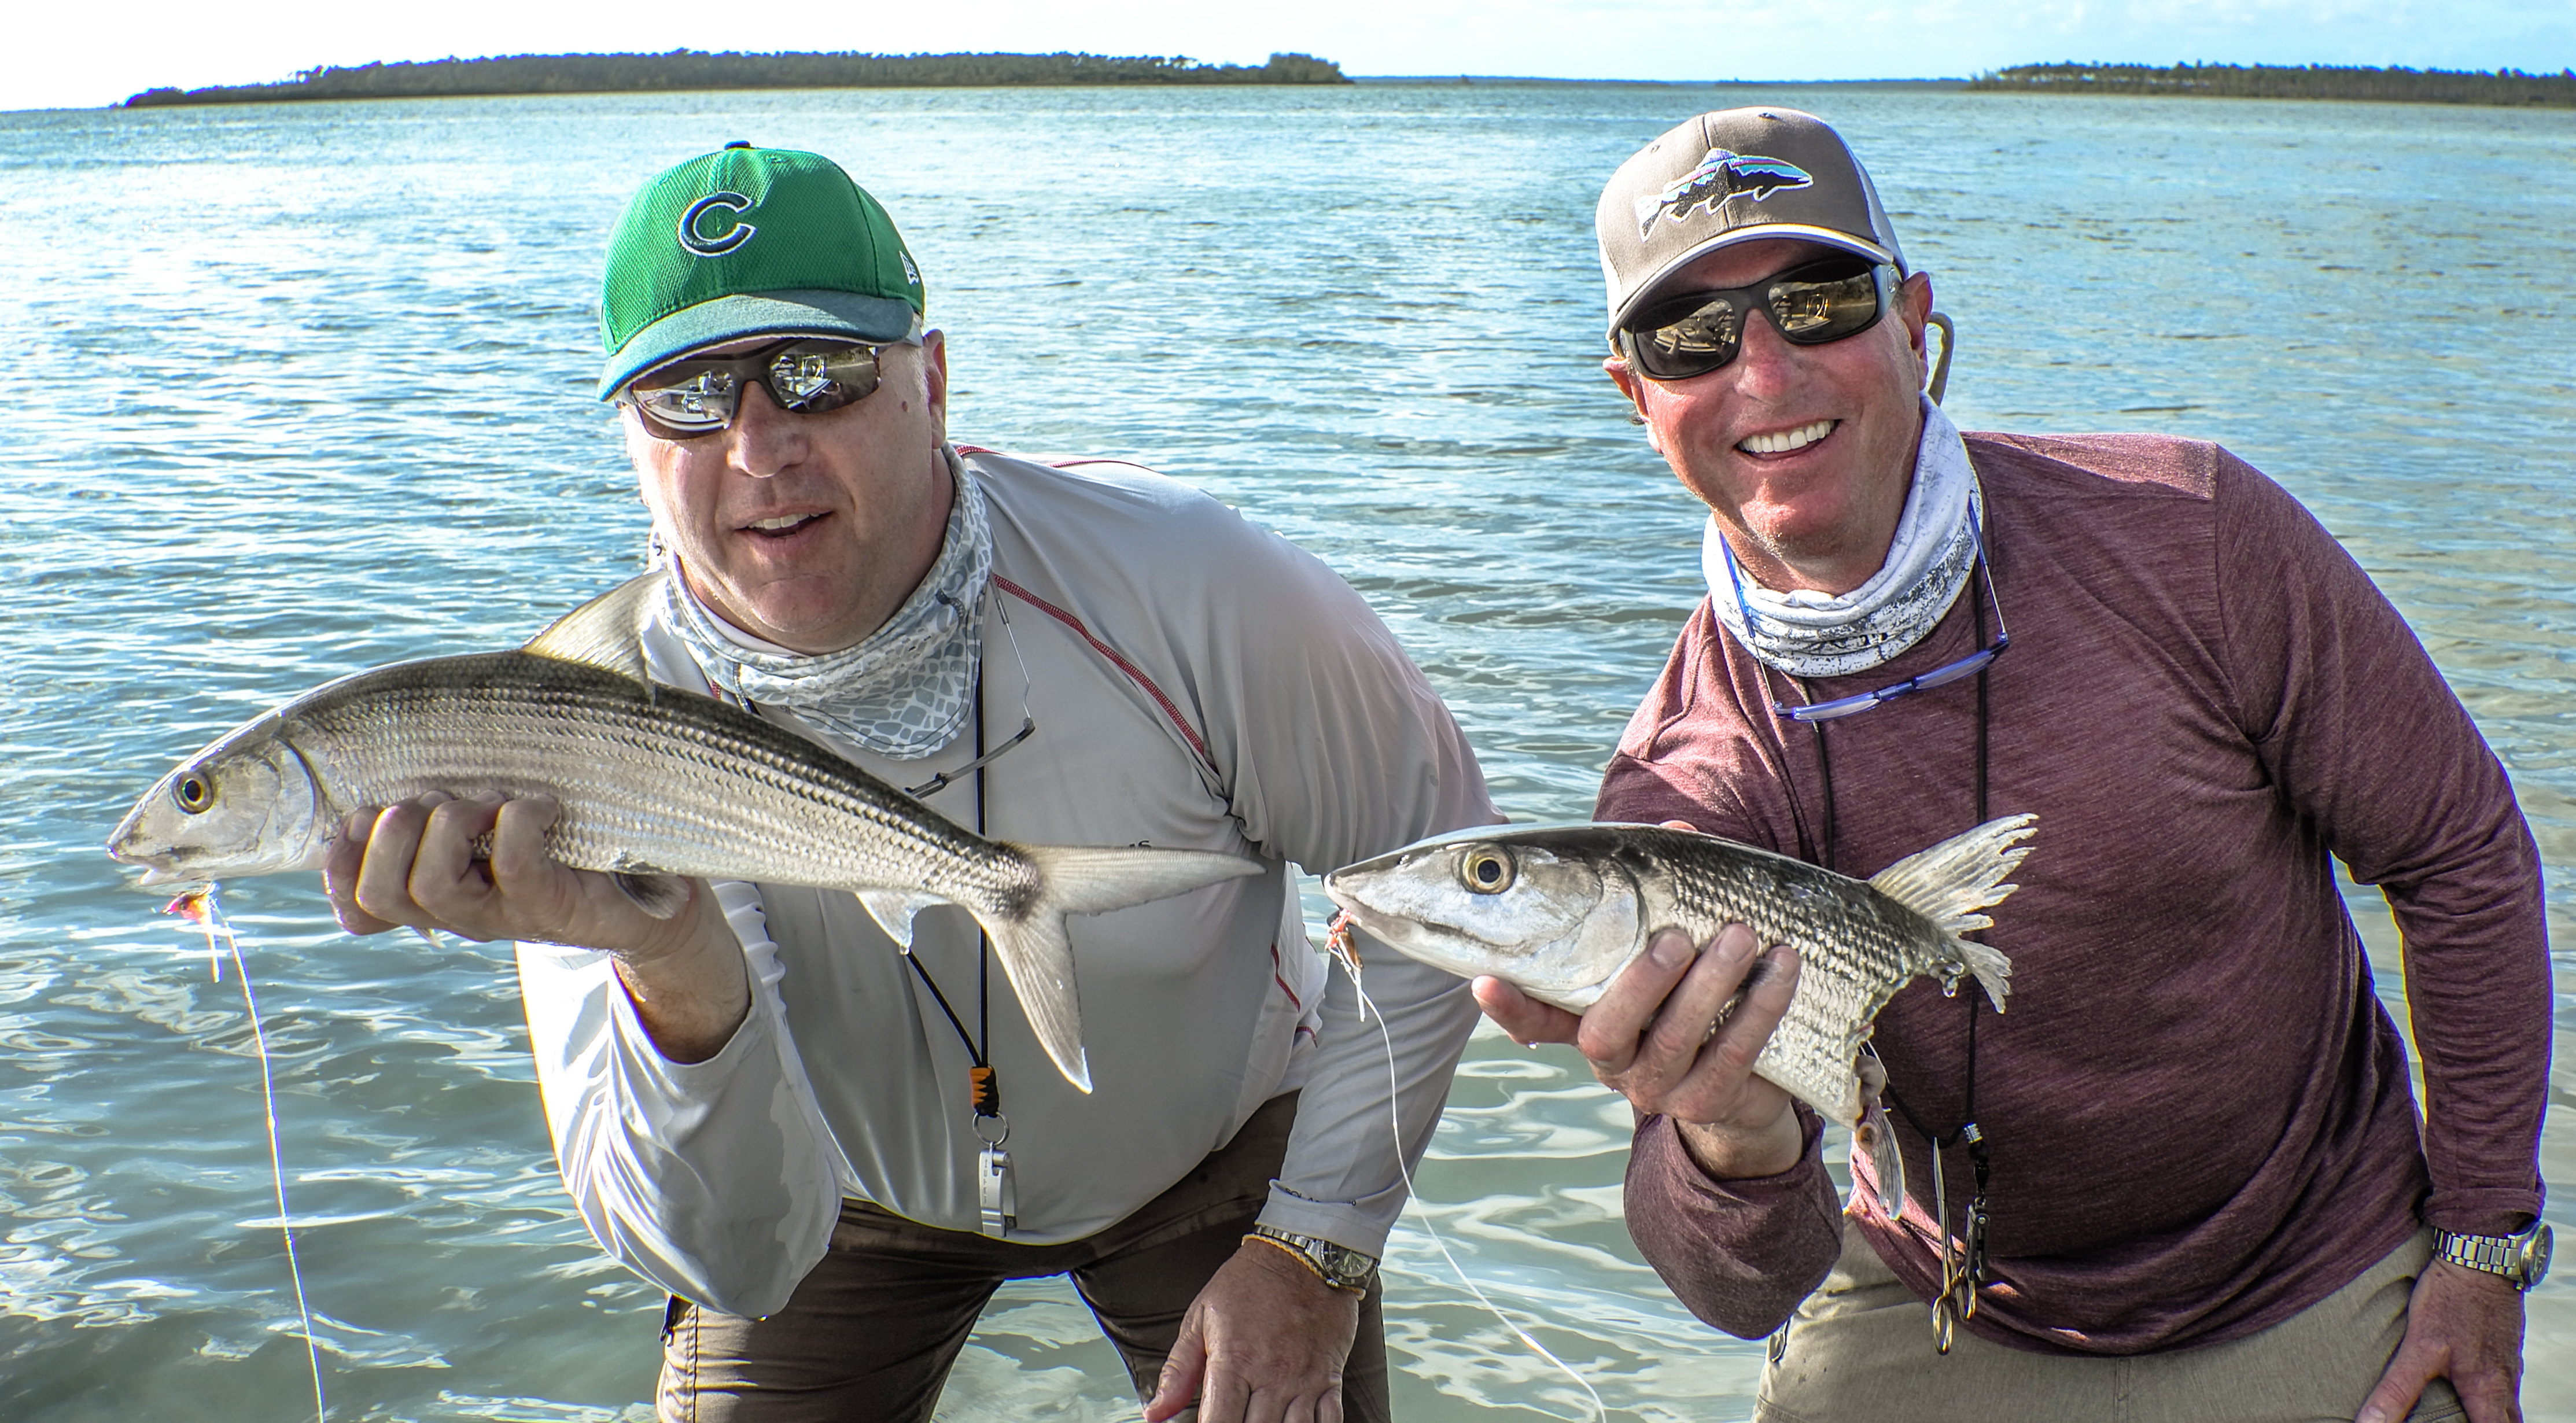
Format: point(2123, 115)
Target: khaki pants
point(1861, 1348)
point(871, 1332)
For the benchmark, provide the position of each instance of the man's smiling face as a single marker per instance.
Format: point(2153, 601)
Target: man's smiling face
point(808, 530)
point(1805, 453)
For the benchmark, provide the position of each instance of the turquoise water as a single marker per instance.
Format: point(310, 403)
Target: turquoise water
point(310, 390)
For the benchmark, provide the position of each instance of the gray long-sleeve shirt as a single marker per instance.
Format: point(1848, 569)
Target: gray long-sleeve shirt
point(1197, 683)
point(2199, 1116)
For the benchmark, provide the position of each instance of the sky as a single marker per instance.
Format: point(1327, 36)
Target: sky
point(76, 54)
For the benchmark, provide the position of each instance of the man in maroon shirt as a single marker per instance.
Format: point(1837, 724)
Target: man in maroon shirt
point(2183, 1176)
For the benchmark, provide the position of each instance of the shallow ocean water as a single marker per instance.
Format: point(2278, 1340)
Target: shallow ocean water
point(311, 390)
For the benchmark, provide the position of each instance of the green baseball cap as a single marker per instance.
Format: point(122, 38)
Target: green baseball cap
point(746, 241)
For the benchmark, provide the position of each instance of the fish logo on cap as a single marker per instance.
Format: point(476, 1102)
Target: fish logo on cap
point(701, 245)
point(1719, 178)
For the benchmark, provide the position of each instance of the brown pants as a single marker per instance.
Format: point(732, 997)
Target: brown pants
point(871, 1332)
point(1861, 1347)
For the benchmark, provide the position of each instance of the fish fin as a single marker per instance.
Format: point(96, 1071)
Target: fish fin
point(1993, 970)
point(1950, 882)
point(1038, 959)
point(603, 632)
point(658, 895)
point(1074, 879)
point(427, 937)
point(1876, 1135)
point(893, 910)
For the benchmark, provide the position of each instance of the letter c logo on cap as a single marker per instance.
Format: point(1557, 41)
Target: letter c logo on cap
point(700, 246)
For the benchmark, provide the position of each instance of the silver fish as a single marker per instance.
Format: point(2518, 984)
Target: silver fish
point(655, 782)
point(1559, 910)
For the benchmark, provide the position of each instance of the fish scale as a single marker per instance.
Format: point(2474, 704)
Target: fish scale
point(653, 782)
point(1560, 910)
point(1855, 946)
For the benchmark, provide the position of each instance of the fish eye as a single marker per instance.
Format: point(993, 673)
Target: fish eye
point(1486, 869)
point(194, 793)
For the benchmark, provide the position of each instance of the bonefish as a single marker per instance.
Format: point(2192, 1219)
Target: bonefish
point(655, 782)
point(1560, 910)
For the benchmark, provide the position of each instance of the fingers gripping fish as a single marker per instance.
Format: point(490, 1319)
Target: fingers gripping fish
point(1560, 910)
point(655, 782)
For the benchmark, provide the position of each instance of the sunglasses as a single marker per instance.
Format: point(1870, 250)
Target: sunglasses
point(697, 395)
point(1941, 676)
point(1697, 332)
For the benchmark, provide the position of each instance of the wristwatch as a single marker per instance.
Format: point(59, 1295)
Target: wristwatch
point(2523, 1258)
point(1337, 1265)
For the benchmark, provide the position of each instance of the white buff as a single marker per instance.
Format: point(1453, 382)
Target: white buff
point(1808, 634)
point(904, 691)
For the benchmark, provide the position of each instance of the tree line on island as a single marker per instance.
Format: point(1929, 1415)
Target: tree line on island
point(2266, 81)
point(693, 69)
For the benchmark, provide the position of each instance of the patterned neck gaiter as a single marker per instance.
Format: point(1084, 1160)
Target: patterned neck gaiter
point(1808, 634)
point(907, 689)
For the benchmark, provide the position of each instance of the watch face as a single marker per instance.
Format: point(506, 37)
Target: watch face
point(2535, 1255)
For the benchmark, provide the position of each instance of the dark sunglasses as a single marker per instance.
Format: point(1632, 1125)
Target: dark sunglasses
point(697, 395)
point(1697, 332)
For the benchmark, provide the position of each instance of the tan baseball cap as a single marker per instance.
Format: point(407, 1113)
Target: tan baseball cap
point(1737, 175)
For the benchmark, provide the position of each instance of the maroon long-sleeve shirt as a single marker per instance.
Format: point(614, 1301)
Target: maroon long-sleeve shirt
point(2199, 1115)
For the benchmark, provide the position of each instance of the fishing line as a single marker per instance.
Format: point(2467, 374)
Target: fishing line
point(198, 907)
point(1342, 949)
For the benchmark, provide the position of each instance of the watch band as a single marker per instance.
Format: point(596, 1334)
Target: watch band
point(1336, 1265)
point(2522, 1259)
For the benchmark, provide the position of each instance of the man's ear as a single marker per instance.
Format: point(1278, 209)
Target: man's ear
point(1632, 386)
point(1914, 308)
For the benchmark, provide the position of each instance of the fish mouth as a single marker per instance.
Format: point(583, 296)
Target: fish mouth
point(1790, 441)
point(154, 876)
point(1406, 933)
point(155, 872)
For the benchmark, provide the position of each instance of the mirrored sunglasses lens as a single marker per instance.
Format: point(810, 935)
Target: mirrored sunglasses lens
point(1689, 342)
point(694, 402)
point(1813, 312)
point(824, 379)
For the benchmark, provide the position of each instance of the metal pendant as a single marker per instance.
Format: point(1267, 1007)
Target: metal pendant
point(995, 1193)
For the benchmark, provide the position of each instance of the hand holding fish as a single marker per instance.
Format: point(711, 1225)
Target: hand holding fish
point(413, 864)
point(1677, 1033)
point(1598, 919)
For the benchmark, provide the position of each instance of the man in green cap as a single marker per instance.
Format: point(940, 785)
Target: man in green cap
point(828, 1148)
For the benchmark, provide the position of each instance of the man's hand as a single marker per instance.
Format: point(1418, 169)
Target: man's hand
point(413, 865)
point(2464, 1325)
point(1265, 1340)
point(1664, 1037)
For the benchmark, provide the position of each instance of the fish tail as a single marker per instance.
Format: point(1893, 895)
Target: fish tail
point(1033, 948)
point(1038, 959)
point(1083, 879)
point(1952, 881)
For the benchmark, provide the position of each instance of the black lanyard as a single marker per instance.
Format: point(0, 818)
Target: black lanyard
point(1960, 1275)
point(987, 1087)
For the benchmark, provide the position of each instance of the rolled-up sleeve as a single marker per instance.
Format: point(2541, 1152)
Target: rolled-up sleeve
point(1334, 748)
point(715, 1180)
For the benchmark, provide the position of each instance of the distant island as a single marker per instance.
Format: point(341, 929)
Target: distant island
point(2265, 81)
point(684, 69)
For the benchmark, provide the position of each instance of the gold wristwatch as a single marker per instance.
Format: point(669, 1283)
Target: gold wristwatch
point(2523, 1259)
point(1337, 1265)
